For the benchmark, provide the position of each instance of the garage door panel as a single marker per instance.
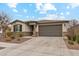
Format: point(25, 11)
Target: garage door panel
point(50, 30)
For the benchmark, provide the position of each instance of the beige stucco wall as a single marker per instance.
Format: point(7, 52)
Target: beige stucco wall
point(25, 27)
point(65, 27)
point(36, 29)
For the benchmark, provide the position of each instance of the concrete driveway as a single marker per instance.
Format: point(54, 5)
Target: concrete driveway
point(39, 46)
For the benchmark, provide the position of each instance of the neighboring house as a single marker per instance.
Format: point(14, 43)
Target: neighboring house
point(50, 28)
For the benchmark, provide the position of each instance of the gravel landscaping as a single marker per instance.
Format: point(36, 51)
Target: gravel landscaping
point(2, 48)
point(71, 44)
point(20, 40)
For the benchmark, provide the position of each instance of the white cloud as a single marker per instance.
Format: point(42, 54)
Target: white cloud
point(61, 17)
point(73, 5)
point(19, 15)
point(49, 6)
point(30, 4)
point(12, 5)
point(25, 10)
point(68, 7)
point(27, 16)
point(38, 6)
point(43, 8)
point(53, 17)
point(42, 12)
point(33, 17)
point(15, 10)
point(61, 13)
point(40, 1)
point(67, 13)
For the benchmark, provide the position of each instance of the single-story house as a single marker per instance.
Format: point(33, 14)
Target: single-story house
point(50, 28)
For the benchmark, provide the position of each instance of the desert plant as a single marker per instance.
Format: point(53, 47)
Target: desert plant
point(69, 38)
point(12, 37)
point(9, 34)
point(20, 34)
point(77, 39)
point(18, 39)
point(71, 42)
point(74, 38)
point(8, 39)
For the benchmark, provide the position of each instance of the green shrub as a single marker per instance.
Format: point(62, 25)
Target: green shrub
point(71, 42)
point(9, 34)
point(18, 39)
point(20, 35)
point(12, 37)
point(77, 39)
point(69, 38)
point(74, 38)
point(8, 39)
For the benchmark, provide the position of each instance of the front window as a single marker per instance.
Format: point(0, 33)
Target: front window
point(17, 28)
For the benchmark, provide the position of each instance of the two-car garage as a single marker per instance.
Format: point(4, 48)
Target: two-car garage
point(50, 30)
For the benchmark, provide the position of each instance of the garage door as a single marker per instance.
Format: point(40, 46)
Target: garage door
point(50, 30)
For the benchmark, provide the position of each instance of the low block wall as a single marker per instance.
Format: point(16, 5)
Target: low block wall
point(23, 33)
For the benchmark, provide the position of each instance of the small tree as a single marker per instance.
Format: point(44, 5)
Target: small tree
point(72, 25)
point(73, 22)
point(4, 21)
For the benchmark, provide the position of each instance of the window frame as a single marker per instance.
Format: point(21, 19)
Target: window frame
point(17, 28)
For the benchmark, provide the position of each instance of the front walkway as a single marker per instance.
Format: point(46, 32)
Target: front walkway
point(44, 46)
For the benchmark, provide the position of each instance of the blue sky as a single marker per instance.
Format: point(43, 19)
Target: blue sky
point(41, 11)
